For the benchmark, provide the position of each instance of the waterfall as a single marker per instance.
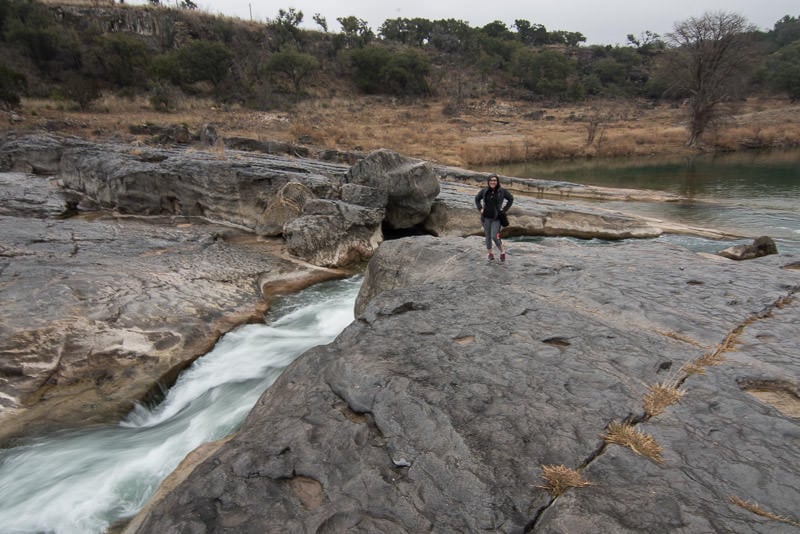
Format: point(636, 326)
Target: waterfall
point(85, 480)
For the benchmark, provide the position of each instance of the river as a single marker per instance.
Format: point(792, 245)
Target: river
point(747, 194)
point(83, 481)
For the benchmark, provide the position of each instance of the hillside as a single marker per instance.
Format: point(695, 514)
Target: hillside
point(466, 97)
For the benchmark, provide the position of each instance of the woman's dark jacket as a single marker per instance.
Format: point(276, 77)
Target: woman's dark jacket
point(493, 201)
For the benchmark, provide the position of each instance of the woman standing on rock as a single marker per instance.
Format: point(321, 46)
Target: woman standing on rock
point(490, 203)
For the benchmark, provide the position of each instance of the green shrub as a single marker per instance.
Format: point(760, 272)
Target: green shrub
point(292, 65)
point(122, 60)
point(545, 73)
point(52, 49)
point(12, 86)
point(83, 90)
point(377, 70)
point(199, 61)
point(783, 71)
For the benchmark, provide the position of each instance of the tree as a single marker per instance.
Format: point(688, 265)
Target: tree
point(321, 21)
point(405, 74)
point(530, 34)
point(453, 36)
point(546, 73)
point(356, 33)
point(648, 45)
point(121, 59)
point(286, 27)
point(413, 32)
point(710, 59)
point(498, 30)
point(787, 30)
point(293, 65)
point(565, 37)
point(783, 71)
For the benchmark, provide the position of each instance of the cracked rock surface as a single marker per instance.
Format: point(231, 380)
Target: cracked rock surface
point(437, 409)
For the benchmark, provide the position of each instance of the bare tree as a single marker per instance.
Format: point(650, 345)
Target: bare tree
point(710, 55)
point(599, 116)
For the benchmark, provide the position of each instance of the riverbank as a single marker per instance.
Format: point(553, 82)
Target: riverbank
point(480, 132)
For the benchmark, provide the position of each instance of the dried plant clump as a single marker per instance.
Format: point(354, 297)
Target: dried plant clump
point(710, 358)
point(692, 368)
point(758, 510)
point(659, 397)
point(639, 442)
point(559, 478)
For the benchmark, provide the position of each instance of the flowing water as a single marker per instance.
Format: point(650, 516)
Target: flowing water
point(744, 194)
point(83, 481)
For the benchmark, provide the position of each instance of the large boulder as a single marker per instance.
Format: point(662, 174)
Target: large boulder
point(761, 246)
point(411, 185)
point(462, 383)
point(333, 233)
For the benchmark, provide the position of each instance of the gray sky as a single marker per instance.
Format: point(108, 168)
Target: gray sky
point(601, 21)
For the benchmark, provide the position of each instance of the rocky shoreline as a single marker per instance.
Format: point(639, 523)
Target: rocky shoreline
point(121, 264)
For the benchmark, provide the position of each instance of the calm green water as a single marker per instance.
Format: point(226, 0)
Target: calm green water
point(747, 194)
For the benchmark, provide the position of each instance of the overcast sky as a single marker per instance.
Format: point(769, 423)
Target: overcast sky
point(600, 21)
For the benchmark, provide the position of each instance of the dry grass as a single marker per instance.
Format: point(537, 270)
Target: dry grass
point(637, 441)
point(728, 344)
point(559, 478)
point(660, 396)
point(483, 133)
point(692, 368)
point(758, 510)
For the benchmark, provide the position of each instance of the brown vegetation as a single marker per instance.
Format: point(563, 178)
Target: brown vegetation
point(559, 478)
point(660, 396)
point(637, 441)
point(758, 510)
point(484, 132)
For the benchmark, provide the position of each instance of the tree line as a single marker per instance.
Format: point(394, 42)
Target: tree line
point(705, 61)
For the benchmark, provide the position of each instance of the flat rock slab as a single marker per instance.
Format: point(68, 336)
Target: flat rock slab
point(437, 409)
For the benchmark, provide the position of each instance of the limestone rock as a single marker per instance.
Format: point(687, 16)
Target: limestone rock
point(761, 246)
point(437, 409)
point(411, 185)
point(334, 233)
point(152, 181)
point(284, 206)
